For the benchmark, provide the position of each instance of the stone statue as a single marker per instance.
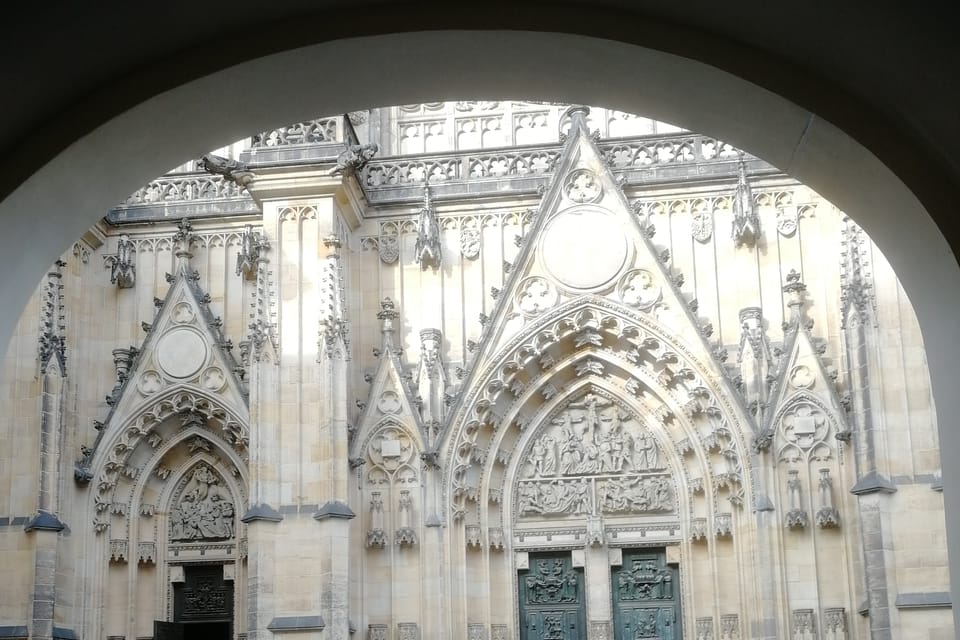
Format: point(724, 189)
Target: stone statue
point(122, 270)
point(354, 158)
point(231, 170)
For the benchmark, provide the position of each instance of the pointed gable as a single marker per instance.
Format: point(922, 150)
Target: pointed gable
point(184, 347)
point(587, 242)
point(390, 400)
point(805, 410)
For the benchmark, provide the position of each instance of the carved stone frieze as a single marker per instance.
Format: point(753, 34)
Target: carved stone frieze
point(730, 627)
point(704, 629)
point(835, 623)
point(804, 624)
point(378, 632)
point(408, 631)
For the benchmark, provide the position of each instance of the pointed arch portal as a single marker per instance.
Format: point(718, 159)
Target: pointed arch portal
point(179, 124)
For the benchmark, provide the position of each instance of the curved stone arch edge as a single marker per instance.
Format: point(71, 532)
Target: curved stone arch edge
point(734, 420)
point(113, 434)
point(173, 126)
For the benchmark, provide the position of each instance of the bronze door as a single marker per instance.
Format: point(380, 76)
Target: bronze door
point(646, 602)
point(552, 604)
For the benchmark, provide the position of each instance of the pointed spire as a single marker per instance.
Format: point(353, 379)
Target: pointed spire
point(857, 302)
point(427, 250)
point(52, 321)
point(182, 241)
point(387, 314)
point(746, 220)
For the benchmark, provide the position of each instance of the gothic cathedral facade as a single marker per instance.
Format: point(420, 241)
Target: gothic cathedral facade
point(476, 370)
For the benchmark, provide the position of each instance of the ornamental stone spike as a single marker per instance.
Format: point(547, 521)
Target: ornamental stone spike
point(182, 240)
point(795, 291)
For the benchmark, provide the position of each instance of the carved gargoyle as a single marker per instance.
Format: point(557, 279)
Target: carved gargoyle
point(354, 158)
point(231, 170)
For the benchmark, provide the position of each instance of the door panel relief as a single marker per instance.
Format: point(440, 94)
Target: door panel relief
point(551, 599)
point(646, 601)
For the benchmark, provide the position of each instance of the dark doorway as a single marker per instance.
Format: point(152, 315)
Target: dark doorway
point(202, 606)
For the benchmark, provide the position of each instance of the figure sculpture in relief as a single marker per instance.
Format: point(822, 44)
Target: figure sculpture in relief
point(645, 452)
point(205, 510)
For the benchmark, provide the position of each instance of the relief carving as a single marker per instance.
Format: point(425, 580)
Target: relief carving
point(639, 288)
point(582, 186)
point(644, 580)
point(469, 243)
point(591, 437)
point(593, 458)
point(391, 454)
point(204, 511)
point(550, 584)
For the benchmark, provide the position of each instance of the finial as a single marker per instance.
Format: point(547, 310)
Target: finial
point(387, 314)
point(182, 240)
point(795, 289)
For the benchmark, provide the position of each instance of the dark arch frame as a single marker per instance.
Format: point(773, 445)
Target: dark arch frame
point(159, 130)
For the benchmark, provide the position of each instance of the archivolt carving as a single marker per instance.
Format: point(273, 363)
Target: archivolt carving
point(113, 456)
point(652, 367)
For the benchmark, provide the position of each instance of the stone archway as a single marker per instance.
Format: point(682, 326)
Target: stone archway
point(688, 93)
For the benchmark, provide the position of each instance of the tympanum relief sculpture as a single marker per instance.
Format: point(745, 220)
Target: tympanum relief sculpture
point(204, 509)
point(593, 457)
